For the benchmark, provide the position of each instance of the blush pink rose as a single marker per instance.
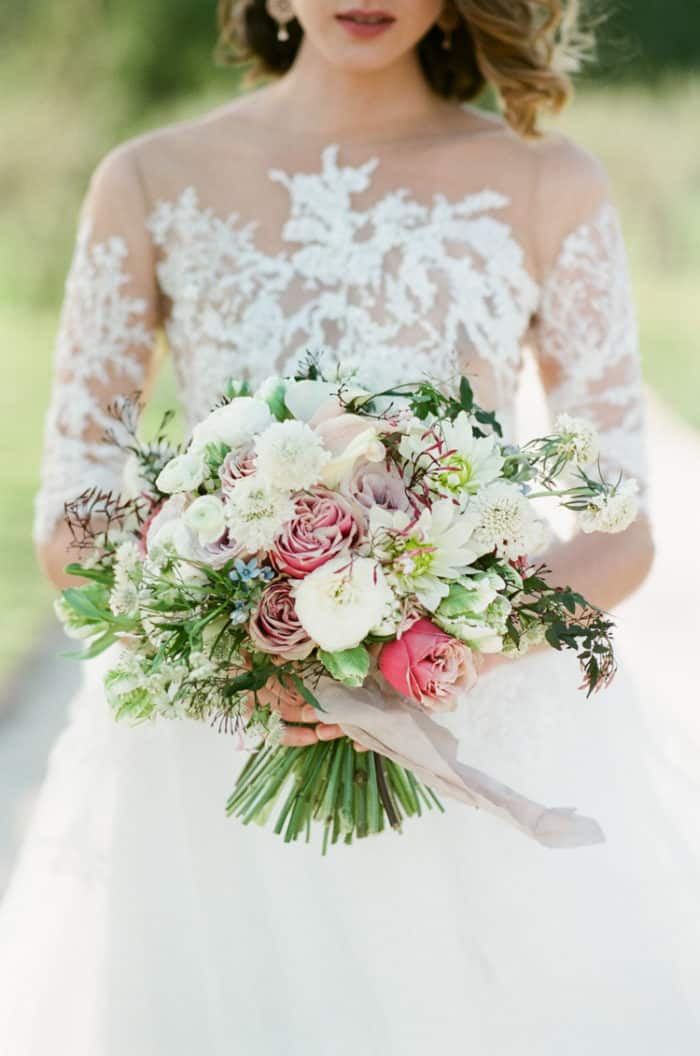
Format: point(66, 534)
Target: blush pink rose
point(324, 525)
point(236, 465)
point(429, 666)
point(275, 626)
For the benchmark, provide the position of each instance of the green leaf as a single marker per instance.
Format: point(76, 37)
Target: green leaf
point(466, 396)
point(105, 576)
point(80, 601)
point(97, 646)
point(349, 666)
point(305, 692)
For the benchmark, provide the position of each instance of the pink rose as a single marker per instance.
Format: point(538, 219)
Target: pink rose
point(236, 465)
point(222, 550)
point(429, 666)
point(324, 525)
point(275, 626)
point(375, 484)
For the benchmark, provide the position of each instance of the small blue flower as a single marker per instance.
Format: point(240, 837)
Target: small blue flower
point(239, 614)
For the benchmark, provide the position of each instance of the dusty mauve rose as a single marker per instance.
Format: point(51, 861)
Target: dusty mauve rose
point(275, 626)
point(222, 550)
point(324, 525)
point(375, 484)
point(236, 465)
point(429, 666)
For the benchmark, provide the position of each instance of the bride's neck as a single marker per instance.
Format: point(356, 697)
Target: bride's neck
point(316, 97)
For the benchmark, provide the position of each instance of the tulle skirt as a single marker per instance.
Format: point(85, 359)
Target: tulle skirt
point(141, 920)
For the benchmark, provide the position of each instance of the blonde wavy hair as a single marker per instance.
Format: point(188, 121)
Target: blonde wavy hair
point(525, 49)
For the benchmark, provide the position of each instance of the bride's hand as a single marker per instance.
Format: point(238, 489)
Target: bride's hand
point(293, 709)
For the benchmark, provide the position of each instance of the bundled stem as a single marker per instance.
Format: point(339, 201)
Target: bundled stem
point(351, 794)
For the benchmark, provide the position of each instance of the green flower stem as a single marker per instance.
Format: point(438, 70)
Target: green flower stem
point(372, 794)
point(352, 794)
point(361, 795)
point(328, 801)
point(402, 788)
point(347, 814)
point(385, 793)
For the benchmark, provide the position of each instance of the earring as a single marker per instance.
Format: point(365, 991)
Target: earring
point(282, 12)
point(448, 22)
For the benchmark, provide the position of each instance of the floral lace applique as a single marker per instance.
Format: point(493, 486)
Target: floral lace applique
point(588, 332)
point(397, 289)
point(101, 328)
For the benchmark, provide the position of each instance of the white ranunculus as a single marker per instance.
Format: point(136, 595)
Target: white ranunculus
point(612, 513)
point(255, 512)
point(206, 517)
point(182, 473)
point(340, 602)
point(235, 424)
point(290, 456)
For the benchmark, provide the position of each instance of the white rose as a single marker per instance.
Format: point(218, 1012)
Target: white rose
point(206, 517)
point(340, 602)
point(303, 398)
point(182, 473)
point(234, 424)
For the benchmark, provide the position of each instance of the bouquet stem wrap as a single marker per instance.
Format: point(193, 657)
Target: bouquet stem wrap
point(384, 721)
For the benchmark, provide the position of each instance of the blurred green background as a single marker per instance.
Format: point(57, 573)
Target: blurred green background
point(78, 77)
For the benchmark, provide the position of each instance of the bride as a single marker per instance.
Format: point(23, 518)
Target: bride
point(358, 203)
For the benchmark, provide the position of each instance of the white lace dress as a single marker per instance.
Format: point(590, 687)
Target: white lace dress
point(142, 921)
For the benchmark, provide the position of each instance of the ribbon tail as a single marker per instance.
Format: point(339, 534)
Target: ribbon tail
point(387, 723)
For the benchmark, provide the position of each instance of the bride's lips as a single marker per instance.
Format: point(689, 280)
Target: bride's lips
point(365, 24)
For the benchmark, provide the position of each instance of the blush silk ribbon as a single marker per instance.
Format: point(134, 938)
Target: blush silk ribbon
point(385, 722)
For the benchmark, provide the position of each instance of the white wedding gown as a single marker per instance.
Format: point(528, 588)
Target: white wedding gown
point(140, 920)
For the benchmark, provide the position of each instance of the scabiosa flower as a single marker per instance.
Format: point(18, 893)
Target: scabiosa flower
point(579, 439)
point(290, 456)
point(507, 522)
point(255, 512)
point(124, 597)
point(612, 512)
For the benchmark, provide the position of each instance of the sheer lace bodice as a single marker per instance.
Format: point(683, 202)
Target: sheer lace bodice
point(347, 260)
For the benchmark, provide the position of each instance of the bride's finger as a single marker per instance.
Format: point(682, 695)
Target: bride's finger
point(328, 731)
point(298, 736)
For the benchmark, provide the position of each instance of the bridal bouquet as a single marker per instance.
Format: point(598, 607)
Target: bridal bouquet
point(359, 548)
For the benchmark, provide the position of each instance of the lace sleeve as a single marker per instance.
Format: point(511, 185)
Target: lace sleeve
point(587, 341)
point(104, 342)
